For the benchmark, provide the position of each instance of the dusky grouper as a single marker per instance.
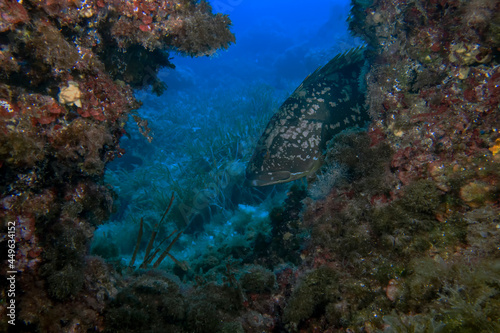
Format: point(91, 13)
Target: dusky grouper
point(328, 101)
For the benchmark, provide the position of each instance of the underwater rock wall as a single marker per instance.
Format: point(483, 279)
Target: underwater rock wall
point(67, 69)
point(409, 242)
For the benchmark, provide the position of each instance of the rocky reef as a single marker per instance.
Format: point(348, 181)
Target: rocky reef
point(400, 233)
point(408, 242)
point(67, 70)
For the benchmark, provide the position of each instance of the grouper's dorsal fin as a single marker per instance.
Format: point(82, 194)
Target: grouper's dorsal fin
point(340, 61)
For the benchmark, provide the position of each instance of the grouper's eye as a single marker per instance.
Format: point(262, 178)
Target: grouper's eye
point(264, 153)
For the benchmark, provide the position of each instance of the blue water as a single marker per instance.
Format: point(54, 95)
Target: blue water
point(276, 42)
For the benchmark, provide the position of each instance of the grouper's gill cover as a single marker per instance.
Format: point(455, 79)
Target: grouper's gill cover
point(327, 102)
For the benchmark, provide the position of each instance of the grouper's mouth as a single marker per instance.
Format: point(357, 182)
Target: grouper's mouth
point(268, 178)
point(272, 178)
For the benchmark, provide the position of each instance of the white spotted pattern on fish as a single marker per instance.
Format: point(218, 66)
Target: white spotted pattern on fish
point(327, 102)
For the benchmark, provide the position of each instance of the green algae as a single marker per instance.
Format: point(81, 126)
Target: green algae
point(314, 291)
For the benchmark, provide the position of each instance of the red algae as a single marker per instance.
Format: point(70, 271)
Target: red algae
point(65, 95)
point(433, 95)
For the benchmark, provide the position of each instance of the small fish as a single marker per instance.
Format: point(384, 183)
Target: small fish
point(327, 102)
